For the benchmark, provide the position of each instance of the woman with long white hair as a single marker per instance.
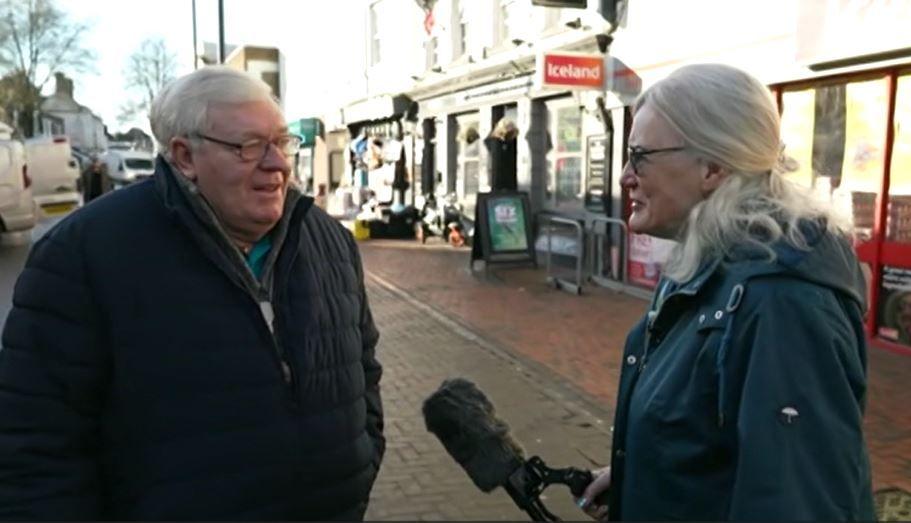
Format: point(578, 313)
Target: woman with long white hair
point(742, 390)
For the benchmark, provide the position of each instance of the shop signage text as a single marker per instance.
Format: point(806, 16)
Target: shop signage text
point(573, 70)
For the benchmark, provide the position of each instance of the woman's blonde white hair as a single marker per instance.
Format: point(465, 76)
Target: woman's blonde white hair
point(181, 108)
point(728, 117)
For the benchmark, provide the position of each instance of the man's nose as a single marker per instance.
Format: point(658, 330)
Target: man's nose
point(275, 160)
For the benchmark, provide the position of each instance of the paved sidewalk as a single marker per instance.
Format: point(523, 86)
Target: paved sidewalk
point(420, 348)
point(580, 338)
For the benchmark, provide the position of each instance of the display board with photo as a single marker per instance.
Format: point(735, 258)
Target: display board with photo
point(894, 314)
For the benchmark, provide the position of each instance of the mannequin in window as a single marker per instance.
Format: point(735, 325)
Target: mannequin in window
point(501, 151)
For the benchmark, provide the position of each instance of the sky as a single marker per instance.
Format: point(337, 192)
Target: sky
point(311, 30)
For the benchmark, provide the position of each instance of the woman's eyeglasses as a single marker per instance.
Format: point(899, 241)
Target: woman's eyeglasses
point(636, 154)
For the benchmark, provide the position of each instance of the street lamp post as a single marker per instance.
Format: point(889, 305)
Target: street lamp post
point(195, 48)
point(221, 31)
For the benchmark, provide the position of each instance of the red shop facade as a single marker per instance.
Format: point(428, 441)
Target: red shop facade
point(848, 138)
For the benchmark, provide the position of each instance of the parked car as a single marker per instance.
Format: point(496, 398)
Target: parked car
point(17, 208)
point(128, 166)
point(54, 173)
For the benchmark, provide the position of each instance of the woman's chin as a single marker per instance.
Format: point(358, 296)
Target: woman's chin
point(637, 224)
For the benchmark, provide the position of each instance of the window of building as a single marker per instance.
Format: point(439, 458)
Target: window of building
point(507, 17)
point(894, 300)
point(564, 159)
point(461, 37)
point(433, 55)
point(375, 55)
point(833, 137)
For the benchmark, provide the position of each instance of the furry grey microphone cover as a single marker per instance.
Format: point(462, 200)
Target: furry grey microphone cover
point(465, 422)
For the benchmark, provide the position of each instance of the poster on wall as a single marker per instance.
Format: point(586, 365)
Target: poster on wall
point(894, 314)
point(647, 256)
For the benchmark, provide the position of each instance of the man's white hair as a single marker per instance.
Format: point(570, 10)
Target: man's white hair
point(728, 117)
point(181, 108)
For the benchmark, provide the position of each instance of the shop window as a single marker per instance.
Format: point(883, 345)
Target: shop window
point(833, 138)
point(564, 159)
point(898, 228)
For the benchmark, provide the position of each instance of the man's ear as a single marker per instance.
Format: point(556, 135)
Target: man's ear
point(713, 176)
point(182, 156)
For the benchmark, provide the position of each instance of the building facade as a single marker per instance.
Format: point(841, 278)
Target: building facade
point(440, 74)
point(61, 114)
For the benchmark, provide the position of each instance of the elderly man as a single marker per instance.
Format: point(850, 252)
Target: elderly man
point(196, 346)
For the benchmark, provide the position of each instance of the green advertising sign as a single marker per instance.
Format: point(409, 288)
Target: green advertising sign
point(503, 232)
point(506, 217)
point(308, 129)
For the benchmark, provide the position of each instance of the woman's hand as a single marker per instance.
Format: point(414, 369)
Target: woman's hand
point(589, 502)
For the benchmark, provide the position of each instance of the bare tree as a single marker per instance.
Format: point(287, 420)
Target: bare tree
point(151, 66)
point(36, 40)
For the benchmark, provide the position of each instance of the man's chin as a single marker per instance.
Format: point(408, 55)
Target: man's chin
point(267, 217)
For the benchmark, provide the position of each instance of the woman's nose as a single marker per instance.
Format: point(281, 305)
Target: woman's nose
point(627, 176)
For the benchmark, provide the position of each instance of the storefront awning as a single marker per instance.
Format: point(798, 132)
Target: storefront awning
point(377, 108)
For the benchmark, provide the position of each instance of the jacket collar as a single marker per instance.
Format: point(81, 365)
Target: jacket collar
point(184, 203)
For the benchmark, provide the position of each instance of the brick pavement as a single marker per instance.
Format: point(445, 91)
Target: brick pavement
point(580, 338)
point(418, 481)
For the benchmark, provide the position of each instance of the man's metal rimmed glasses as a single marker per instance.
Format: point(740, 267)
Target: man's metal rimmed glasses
point(636, 154)
point(256, 149)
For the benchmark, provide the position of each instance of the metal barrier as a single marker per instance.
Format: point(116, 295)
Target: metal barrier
point(598, 254)
point(620, 283)
point(560, 283)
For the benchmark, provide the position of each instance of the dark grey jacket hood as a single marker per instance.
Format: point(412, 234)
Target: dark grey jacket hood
point(828, 260)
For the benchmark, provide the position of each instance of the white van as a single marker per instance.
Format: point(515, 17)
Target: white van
point(126, 167)
point(54, 173)
point(17, 209)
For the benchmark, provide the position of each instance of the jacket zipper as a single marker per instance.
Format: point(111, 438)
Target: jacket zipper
point(268, 313)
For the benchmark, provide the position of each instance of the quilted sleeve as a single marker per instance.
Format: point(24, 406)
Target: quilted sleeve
point(53, 382)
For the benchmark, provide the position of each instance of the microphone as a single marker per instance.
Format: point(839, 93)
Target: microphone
point(465, 422)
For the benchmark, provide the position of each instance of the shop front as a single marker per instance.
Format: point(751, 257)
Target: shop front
point(380, 144)
point(377, 147)
point(848, 139)
point(454, 141)
point(578, 156)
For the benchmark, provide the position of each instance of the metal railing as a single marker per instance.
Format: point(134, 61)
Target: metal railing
point(561, 283)
point(620, 280)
